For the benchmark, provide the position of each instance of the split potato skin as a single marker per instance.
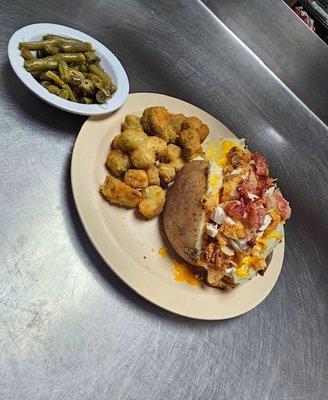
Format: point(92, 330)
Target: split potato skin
point(183, 213)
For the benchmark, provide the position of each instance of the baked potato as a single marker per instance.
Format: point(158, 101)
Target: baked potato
point(183, 215)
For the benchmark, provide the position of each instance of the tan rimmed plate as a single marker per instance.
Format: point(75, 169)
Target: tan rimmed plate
point(130, 245)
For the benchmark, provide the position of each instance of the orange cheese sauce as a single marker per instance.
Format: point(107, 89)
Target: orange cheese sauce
point(163, 252)
point(181, 273)
point(217, 150)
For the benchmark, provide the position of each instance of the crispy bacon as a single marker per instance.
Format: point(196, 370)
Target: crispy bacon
point(256, 213)
point(256, 217)
point(262, 185)
point(282, 204)
point(235, 209)
point(261, 164)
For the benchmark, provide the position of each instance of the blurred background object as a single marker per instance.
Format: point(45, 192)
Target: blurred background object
point(314, 14)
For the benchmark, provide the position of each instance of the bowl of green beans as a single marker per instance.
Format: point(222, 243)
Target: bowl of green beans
point(68, 69)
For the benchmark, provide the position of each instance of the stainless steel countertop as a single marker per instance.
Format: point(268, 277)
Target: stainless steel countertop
point(69, 328)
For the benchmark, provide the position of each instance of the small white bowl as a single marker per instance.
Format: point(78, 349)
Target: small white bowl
point(108, 61)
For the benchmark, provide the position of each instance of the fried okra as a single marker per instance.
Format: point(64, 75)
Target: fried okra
point(136, 178)
point(156, 122)
point(116, 142)
point(132, 122)
point(166, 173)
point(118, 162)
point(196, 123)
point(157, 144)
point(190, 142)
point(117, 192)
point(171, 153)
point(143, 158)
point(176, 122)
point(153, 176)
point(153, 202)
point(130, 139)
point(177, 164)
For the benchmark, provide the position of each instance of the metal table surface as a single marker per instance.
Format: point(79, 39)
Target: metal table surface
point(70, 329)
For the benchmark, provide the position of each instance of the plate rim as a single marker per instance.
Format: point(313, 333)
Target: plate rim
point(27, 79)
point(115, 269)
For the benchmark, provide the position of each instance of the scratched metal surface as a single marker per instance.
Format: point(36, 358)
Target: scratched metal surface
point(69, 328)
point(284, 43)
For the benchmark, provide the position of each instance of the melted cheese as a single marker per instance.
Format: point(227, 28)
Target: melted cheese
point(181, 273)
point(217, 150)
point(163, 252)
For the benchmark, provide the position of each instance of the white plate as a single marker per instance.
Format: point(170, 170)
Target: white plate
point(108, 61)
point(129, 245)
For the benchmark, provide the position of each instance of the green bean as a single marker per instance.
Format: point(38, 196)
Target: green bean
point(69, 68)
point(43, 76)
point(62, 84)
point(40, 65)
point(51, 87)
point(86, 100)
point(63, 93)
point(51, 49)
point(91, 56)
point(54, 77)
point(93, 77)
point(83, 68)
point(75, 47)
point(113, 88)
point(71, 94)
point(102, 96)
point(87, 86)
point(76, 58)
point(62, 39)
point(75, 77)
point(63, 71)
point(38, 45)
point(26, 54)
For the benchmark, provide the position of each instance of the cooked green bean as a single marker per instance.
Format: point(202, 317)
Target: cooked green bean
point(75, 77)
point(75, 47)
point(87, 86)
point(83, 68)
point(69, 68)
point(51, 49)
point(26, 54)
point(95, 80)
point(63, 93)
point(62, 84)
point(86, 100)
point(63, 71)
point(54, 77)
point(71, 94)
point(76, 58)
point(62, 39)
point(41, 64)
point(102, 96)
point(91, 56)
point(51, 87)
point(38, 45)
point(105, 79)
point(113, 88)
point(43, 76)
